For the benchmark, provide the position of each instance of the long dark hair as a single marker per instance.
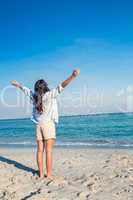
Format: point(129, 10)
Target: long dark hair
point(40, 88)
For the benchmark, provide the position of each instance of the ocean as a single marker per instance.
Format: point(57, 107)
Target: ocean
point(98, 130)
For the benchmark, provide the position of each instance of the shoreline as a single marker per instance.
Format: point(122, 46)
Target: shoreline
point(72, 147)
point(65, 149)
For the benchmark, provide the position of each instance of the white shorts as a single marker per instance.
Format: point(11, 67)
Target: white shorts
point(45, 131)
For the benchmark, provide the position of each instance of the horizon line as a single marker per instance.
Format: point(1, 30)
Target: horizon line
point(76, 115)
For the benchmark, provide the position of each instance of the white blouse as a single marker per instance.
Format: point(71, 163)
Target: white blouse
point(49, 104)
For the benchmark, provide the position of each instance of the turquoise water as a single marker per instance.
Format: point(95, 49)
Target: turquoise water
point(103, 130)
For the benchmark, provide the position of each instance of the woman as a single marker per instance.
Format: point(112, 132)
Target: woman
point(44, 115)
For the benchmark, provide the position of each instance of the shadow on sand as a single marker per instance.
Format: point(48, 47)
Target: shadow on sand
point(18, 165)
point(21, 167)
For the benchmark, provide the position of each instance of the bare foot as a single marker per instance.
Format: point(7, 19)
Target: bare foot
point(50, 177)
point(39, 177)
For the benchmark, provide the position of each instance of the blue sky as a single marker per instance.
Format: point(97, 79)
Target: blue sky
point(50, 38)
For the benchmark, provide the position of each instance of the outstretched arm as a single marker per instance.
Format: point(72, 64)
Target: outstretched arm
point(75, 73)
point(16, 84)
point(26, 90)
point(55, 92)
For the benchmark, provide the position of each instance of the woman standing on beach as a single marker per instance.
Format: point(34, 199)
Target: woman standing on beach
point(44, 115)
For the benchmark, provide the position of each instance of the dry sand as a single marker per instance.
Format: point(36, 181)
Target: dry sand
point(80, 174)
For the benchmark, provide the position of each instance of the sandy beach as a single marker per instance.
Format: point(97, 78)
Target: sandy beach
point(93, 174)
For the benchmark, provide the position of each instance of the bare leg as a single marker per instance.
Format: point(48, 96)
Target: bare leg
point(40, 149)
point(48, 148)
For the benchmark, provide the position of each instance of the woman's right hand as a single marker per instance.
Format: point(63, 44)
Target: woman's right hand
point(76, 72)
